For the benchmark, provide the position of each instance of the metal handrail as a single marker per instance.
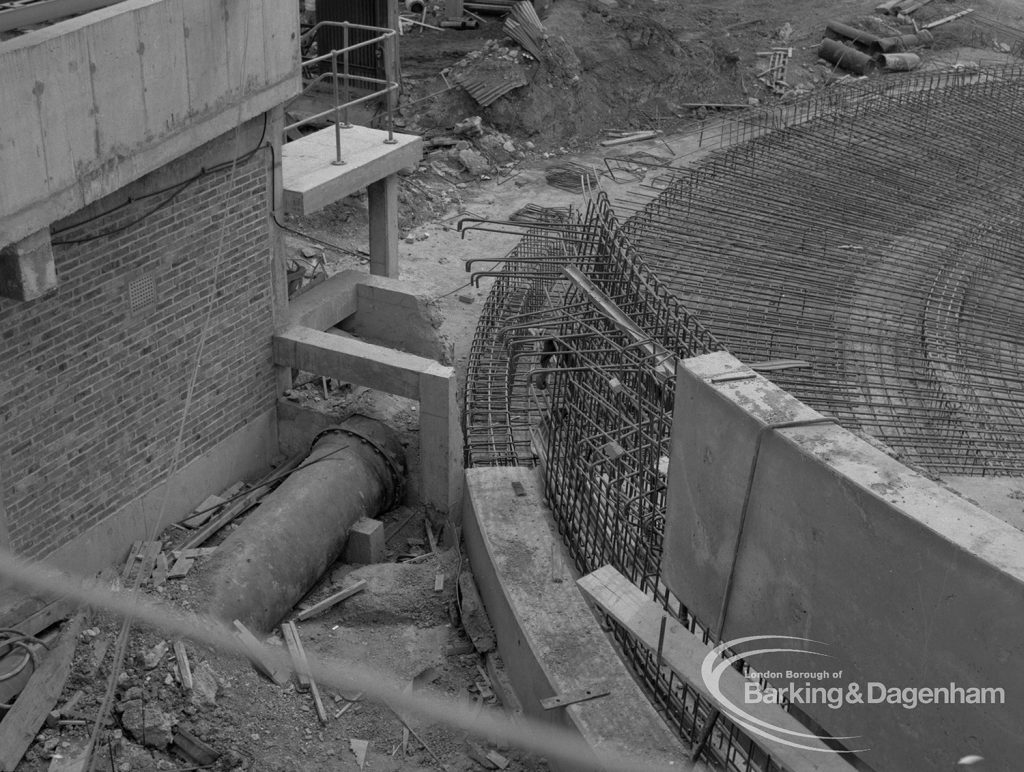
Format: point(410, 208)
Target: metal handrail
point(340, 108)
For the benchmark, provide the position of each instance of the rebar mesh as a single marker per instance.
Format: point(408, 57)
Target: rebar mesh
point(871, 233)
point(553, 380)
point(881, 243)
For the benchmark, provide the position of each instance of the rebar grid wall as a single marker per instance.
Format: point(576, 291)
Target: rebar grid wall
point(834, 195)
point(553, 381)
point(877, 237)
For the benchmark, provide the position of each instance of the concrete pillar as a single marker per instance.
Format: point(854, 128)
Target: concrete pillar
point(440, 440)
point(27, 270)
point(382, 197)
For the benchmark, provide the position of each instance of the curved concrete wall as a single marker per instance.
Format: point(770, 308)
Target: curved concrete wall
point(550, 641)
point(902, 582)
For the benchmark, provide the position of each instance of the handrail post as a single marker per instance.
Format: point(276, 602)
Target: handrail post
point(337, 127)
point(392, 86)
point(344, 46)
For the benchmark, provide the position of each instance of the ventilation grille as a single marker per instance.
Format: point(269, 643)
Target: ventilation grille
point(141, 295)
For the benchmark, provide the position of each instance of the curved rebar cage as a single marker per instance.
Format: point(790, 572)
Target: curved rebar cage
point(872, 233)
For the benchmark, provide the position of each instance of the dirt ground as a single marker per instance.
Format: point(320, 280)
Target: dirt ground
point(620, 64)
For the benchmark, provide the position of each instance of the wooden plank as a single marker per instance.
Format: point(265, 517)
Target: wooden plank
point(48, 615)
point(23, 721)
point(147, 560)
point(243, 504)
point(638, 137)
point(202, 513)
point(302, 668)
point(184, 668)
point(129, 564)
point(572, 698)
point(684, 653)
point(333, 600)
point(318, 703)
point(160, 569)
point(298, 655)
point(180, 568)
point(264, 666)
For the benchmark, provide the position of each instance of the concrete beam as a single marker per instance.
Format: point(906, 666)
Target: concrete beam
point(550, 641)
point(27, 270)
point(325, 304)
point(348, 359)
point(407, 375)
point(312, 181)
point(903, 582)
point(183, 65)
point(382, 200)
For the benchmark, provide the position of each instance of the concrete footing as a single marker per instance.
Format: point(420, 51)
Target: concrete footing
point(549, 639)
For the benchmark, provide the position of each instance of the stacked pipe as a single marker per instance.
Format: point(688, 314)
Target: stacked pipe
point(859, 51)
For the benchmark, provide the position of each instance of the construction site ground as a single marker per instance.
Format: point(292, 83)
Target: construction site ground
point(638, 63)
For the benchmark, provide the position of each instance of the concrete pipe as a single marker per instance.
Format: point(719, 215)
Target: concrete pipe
point(896, 43)
point(843, 56)
point(414, 6)
point(280, 550)
point(899, 62)
point(835, 30)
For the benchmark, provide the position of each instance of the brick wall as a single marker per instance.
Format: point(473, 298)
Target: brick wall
point(91, 394)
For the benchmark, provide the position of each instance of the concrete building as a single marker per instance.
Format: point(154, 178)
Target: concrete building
point(147, 332)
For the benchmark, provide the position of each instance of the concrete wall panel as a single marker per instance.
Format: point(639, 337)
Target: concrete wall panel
point(94, 103)
point(903, 582)
point(164, 91)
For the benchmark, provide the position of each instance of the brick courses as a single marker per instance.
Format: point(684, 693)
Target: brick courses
point(91, 396)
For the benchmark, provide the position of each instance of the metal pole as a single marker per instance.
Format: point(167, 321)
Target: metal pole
point(337, 128)
point(392, 87)
point(344, 46)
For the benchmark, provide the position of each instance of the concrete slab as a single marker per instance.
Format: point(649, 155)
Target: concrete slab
point(550, 641)
point(311, 181)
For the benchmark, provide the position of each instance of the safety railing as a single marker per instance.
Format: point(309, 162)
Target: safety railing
point(342, 80)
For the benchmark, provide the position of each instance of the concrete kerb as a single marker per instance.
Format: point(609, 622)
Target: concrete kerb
point(549, 639)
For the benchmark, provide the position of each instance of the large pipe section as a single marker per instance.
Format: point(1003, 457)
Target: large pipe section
point(835, 30)
point(280, 550)
point(843, 56)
